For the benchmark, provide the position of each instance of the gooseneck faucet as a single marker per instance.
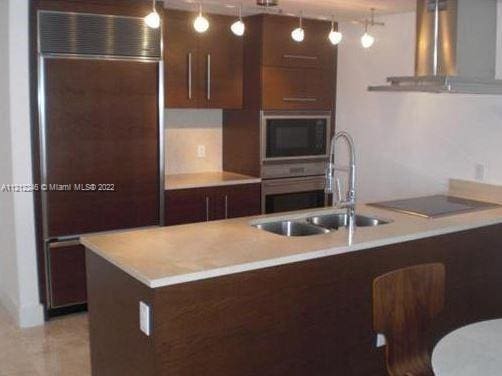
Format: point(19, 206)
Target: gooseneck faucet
point(350, 200)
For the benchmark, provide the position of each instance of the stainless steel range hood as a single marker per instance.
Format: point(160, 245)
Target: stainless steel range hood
point(455, 50)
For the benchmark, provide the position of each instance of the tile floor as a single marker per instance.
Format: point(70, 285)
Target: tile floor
point(61, 347)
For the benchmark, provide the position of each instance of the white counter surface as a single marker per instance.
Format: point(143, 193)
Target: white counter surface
point(207, 179)
point(171, 255)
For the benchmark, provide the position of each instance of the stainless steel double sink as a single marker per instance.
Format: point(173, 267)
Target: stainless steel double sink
point(317, 225)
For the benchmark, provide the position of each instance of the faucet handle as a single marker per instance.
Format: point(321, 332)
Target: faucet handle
point(329, 178)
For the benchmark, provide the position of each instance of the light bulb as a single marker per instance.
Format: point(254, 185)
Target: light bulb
point(238, 28)
point(201, 24)
point(298, 34)
point(153, 20)
point(367, 40)
point(335, 37)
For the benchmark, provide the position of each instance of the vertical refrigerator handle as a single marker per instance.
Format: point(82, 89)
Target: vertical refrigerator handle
point(208, 77)
point(189, 75)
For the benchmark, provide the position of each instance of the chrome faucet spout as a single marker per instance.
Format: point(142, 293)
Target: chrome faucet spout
point(350, 200)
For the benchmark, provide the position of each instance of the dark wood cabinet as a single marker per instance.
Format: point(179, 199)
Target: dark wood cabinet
point(180, 58)
point(211, 203)
point(68, 274)
point(280, 50)
point(296, 89)
point(202, 70)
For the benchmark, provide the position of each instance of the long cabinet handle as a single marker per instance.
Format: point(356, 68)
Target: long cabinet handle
point(189, 75)
point(208, 77)
point(207, 209)
point(299, 99)
point(226, 206)
point(299, 57)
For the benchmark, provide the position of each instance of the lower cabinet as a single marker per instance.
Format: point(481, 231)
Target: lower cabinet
point(211, 203)
point(67, 274)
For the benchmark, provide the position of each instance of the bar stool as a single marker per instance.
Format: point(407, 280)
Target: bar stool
point(405, 303)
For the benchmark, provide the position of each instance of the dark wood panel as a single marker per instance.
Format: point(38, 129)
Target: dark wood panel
point(67, 273)
point(297, 89)
point(241, 137)
point(102, 129)
point(243, 200)
point(221, 64)
point(118, 347)
point(279, 49)
point(181, 60)
point(186, 206)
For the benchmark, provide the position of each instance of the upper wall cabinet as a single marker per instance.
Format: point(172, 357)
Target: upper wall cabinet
point(203, 70)
point(281, 74)
point(279, 49)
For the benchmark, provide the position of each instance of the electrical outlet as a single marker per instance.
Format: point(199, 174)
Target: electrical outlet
point(201, 151)
point(480, 171)
point(145, 318)
point(380, 340)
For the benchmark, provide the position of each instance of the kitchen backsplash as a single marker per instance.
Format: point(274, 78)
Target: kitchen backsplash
point(193, 140)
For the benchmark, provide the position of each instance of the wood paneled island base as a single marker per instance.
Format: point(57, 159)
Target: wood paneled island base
point(306, 318)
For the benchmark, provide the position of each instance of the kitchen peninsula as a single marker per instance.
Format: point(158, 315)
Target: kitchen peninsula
point(226, 298)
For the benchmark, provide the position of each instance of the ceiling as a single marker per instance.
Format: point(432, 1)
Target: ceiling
point(342, 10)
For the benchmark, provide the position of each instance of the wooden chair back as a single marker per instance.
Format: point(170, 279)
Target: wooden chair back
point(405, 302)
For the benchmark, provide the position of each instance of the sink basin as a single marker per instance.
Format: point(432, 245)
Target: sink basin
point(335, 221)
point(292, 228)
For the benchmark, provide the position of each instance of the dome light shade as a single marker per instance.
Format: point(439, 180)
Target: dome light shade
point(298, 34)
point(335, 37)
point(201, 24)
point(153, 20)
point(367, 40)
point(238, 28)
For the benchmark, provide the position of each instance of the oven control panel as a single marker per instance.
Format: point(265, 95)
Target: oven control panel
point(283, 170)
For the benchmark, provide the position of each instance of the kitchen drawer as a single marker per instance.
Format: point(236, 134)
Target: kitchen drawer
point(67, 274)
point(297, 89)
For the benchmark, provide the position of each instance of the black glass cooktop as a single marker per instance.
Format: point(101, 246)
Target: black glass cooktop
point(435, 206)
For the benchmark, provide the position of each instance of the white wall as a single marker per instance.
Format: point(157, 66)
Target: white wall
point(185, 131)
point(18, 270)
point(410, 143)
point(8, 265)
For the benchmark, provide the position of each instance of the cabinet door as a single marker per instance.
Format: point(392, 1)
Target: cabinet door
point(297, 89)
point(187, 206)
point(67, 274)
point(182, 80)
point(243, 200)
point(279, 49)
point(220, 65)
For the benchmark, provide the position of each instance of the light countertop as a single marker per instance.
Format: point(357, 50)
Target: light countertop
point(171, 255)
point(207, 179)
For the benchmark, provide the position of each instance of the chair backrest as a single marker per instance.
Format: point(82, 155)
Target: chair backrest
point(405, 302)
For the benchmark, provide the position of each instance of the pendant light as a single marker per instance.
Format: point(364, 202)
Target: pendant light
point(367, 40)
point(298, 34)
point(335, 37)
point(238, 27)
point(152, 20)
point(200, 24)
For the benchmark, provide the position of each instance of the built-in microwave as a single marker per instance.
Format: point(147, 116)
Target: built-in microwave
point(293, 135)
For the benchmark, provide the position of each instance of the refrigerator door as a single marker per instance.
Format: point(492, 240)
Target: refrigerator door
point(100, 145)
